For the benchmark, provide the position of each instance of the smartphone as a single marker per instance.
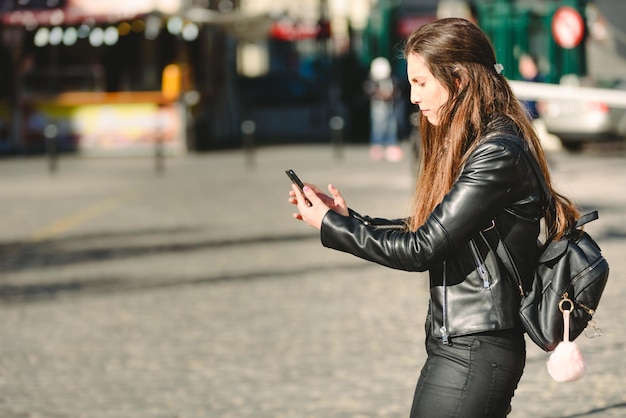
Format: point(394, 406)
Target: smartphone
point(296, 180)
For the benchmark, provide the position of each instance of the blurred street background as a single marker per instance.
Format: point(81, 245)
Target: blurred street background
point(131, 77)
point(149, 263)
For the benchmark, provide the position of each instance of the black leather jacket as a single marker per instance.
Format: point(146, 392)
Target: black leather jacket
point(469, 290)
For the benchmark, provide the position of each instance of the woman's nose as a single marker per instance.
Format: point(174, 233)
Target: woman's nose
point(415, 97)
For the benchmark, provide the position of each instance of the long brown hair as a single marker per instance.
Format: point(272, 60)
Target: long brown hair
point(461, 58)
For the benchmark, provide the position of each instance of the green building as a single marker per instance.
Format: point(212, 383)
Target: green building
point(514, 27)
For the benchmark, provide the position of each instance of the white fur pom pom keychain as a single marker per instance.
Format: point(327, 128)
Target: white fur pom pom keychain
point(566, 363)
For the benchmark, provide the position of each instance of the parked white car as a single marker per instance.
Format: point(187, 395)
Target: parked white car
point(577, 122)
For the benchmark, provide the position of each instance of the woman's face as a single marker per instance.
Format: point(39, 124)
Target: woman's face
point(426, 91)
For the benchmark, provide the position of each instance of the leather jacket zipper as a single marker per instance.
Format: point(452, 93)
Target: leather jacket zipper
point(480, 265)
point(444, 326)
point(483, 273)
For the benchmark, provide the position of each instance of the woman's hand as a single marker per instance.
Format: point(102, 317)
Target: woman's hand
point(321, 203)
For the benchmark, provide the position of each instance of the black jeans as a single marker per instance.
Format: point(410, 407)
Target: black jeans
point(474, 377)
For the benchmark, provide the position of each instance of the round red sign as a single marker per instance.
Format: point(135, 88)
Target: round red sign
point(568, 27)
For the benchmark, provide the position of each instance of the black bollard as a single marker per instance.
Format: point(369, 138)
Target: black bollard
point(51, 132)
point(336, 132)
point(159, 152)
point(248, 129)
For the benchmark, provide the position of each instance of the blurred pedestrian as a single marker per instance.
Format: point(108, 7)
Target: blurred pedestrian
point(530, 72)
point(383, 92)
point(476, 174)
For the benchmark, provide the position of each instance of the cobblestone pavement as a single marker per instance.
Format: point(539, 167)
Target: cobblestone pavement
point(124, 293)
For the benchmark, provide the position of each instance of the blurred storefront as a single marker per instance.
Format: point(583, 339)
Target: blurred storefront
point(94, 73)
point(87, 75)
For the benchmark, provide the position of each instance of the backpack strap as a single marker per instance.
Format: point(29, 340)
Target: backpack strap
point(586, 218)
point(533, 163)
point(501, 250)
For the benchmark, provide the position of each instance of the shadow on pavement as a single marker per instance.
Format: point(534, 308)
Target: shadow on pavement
point(21, 256)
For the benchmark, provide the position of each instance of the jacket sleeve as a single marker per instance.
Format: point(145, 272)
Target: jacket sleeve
point(491, 180)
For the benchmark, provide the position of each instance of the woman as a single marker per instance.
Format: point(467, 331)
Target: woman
point(475, 181)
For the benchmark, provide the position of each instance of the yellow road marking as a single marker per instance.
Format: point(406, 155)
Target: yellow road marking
point(75, 219)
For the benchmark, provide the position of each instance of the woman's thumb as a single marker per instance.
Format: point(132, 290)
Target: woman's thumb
point(310, 195)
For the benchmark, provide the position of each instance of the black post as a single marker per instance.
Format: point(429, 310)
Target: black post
point(248, 129)
point(159, 157)
point(336, 133)
point(51, 132)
